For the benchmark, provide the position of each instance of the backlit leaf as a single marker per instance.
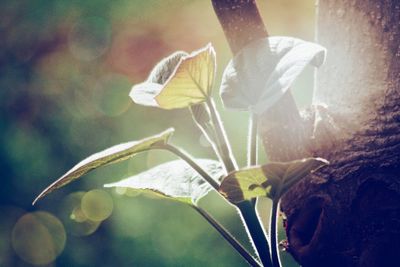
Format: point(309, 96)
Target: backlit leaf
point(259, 75)
point(111, 155)
point(145, 93)
point(166, 67)
point(175, 179)
point(191, 82)
point(270, 180)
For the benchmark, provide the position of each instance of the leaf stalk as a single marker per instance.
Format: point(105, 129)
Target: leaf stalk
point(222, 140)
point(247, 211)
point(186, 157)
point(274, 233)
point(252, 144)
point(228, 237)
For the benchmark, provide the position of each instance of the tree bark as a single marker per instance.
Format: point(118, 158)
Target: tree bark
point(348, 213)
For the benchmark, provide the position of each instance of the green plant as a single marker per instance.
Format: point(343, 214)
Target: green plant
point(186, 81)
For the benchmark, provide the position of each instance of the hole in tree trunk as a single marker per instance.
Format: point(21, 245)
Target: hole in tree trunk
point(305, 225)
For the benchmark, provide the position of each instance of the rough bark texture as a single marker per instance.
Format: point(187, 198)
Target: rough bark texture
point(347, 214)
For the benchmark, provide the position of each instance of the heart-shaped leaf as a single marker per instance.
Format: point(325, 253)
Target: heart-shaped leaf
point(175, 180)
point(270, 180)
point(111, 155)
point(258, 76)
point(190, 81)
point(145, 93)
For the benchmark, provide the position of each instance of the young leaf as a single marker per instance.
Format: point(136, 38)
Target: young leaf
point(174, 180)
point(191, 81)
point(259, 75)
point(145, 93)
point(111, 155)
point(269, 180)
point(166, 67)
point(178, 81)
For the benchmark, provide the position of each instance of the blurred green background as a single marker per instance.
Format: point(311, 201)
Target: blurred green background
point(66, 68)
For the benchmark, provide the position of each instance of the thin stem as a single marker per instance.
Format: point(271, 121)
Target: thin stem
point(228, 237)
point(247, 211)
point(252, 145)
point(201, 117)
point(274, 233)
point(255, 231)
point(246, 208)
point(186, 157)
point(222, 140)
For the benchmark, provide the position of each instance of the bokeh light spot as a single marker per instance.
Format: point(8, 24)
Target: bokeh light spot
point(77, 215)
point(90, 38)
point(97, 205)
point(111, 95)
point(75, 220)
point(9, 216)
point(38, 238)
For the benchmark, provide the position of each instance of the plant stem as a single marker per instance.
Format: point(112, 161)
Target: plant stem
point(246, 208)
point(274, 233)
point(186, 157)
point(255, 231)
point(222, 141)
point(252, 145)
point(201, 116)
point(228, 237)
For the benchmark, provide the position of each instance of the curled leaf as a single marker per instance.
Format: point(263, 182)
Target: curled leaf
point(259, 75)
point(178, 81)
point(145, 93)
point(166, 67)
point(270, 180)
point(111, 155)
point(175, 180)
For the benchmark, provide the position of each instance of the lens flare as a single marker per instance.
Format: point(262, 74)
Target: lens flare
point(9, 216)
point(38, 238)
point(97, 205)
point(75, 220)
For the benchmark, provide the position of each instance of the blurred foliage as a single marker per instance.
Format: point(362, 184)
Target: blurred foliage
point(66, 68)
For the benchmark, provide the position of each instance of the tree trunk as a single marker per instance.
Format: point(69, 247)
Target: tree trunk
point(346, 214)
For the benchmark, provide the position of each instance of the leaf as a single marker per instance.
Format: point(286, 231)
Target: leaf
point(259, 75)
point(145, 93)
point(191, 81)
point(166, 67)
point(270, 180)
point(174, 180)
point(111, 155)
point(300, 169)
